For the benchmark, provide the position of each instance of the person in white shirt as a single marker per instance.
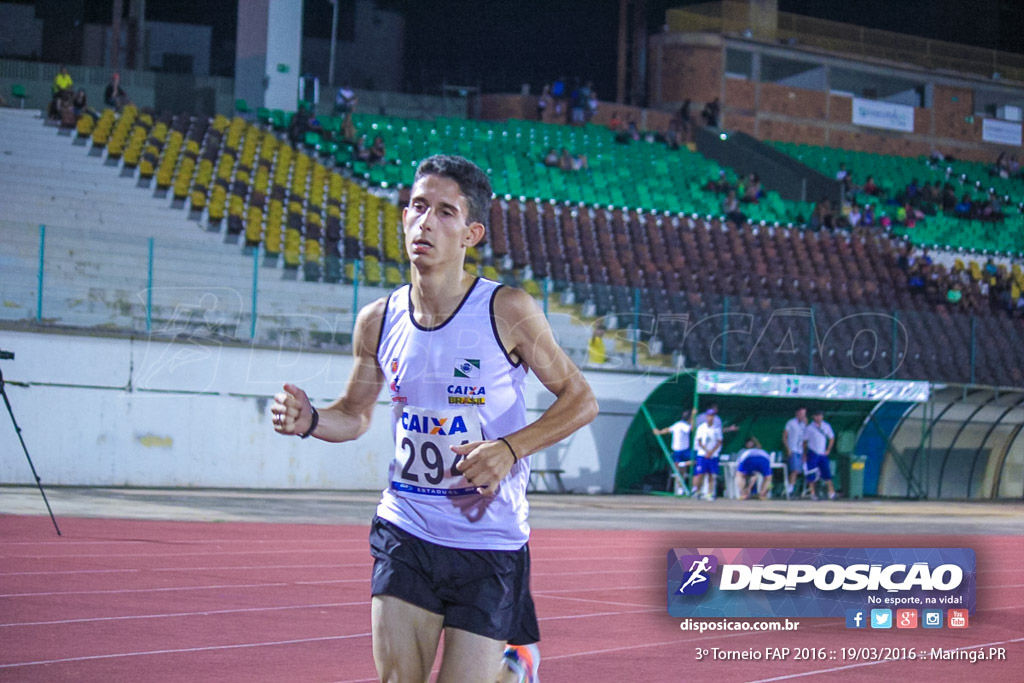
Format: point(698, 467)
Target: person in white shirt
point(708, 442)
point(819, 440)
point(680, 431)
point(793, 443)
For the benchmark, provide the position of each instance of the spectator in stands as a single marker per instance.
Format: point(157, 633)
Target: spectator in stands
point(948, 199)
point(544, 102)
point(871, 188)
point(578, 98)
point(964, 208)
point(854, 217)
point(345, 101)
point(868, 216)
point(908, 215)
point(572, 162)
point(916, 279)
point(821, 217)
point(686, 120)
point(551, 158)
point(592, 102)
point(991, 209)
point(954, 294)
point(62, 83)
point(615, 123)
point(842, 174)
point(377, 152)
point(596, 352)
point(903, 260)
point(913, 193)
point(752, 192)
point(673, 136)
point(633, 131)
point(731, 209)
point(559, 95)
point(114, 95)
point(719, 185)
point(80, 103)
point(711, 112)
point(360, 151)
point(299, 126)
point(66, 110)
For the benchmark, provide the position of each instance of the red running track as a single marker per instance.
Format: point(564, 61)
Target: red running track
point(123, 600)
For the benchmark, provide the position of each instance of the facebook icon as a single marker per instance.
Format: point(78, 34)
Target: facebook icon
point(856, 618)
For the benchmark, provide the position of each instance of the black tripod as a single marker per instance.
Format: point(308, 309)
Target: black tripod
point(7, 355)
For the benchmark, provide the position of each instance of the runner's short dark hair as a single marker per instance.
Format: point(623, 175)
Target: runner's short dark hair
point(473, 183)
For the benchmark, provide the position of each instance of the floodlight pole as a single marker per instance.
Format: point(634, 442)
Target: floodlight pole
point(334, 42)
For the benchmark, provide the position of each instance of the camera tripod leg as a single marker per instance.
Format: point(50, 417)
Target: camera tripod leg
point(17, 430)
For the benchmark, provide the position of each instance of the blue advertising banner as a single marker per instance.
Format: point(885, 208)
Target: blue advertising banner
point(817, 582)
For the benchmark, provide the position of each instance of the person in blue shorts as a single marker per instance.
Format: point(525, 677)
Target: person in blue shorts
point(793, 443)
point(680, 430)
point(708, 441)
point(753, 471)
point(819, 438)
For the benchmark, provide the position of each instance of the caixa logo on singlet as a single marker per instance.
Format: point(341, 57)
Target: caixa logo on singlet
point(440, 426)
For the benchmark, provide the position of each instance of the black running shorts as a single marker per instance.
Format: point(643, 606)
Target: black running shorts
point(486, 592)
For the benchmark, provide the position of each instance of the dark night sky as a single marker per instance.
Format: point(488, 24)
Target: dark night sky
point(499, 44)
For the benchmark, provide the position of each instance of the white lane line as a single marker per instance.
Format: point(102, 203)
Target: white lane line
point(367, 565)
point(876, 663)
point(183, 650)
point(204, 613)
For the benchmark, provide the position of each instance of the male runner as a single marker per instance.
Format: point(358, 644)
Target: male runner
point(708, 441)
point(450, 536)
point(753, 471)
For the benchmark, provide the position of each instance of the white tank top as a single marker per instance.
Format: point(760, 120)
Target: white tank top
point(451, 384)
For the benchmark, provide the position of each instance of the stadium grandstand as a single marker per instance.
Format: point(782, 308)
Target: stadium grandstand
point(638, 241)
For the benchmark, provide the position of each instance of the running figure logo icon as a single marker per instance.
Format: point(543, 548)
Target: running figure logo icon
point(696, 581)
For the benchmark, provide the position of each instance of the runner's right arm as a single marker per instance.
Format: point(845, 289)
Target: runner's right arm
point(349, 416)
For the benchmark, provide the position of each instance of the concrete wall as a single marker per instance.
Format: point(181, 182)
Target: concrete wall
point(141, 86)
point(138, 412)
point(21, 34)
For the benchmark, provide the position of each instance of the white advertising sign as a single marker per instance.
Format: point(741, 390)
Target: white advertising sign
point(883, 115)
point(1000, 132)
point(810, 386)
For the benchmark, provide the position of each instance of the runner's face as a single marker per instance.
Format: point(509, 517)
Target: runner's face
point(436, 222)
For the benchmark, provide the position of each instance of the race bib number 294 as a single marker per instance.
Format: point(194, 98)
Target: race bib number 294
point(423, 455)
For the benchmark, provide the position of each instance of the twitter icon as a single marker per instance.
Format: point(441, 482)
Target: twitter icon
point(881, 618)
